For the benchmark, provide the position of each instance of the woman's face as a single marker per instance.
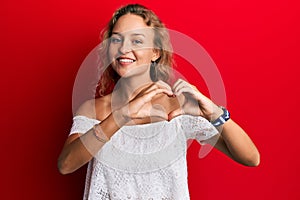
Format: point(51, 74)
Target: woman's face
point(131, 46)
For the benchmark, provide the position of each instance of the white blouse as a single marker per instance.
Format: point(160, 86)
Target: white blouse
point(144, 162)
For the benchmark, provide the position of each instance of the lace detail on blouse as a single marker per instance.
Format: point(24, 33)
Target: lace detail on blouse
point(82, 124)
point(146, 161)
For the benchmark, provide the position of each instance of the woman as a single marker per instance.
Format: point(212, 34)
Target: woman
point(134, 137)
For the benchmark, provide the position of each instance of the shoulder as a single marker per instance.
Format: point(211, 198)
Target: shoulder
point(95, 108)
point(87, 109)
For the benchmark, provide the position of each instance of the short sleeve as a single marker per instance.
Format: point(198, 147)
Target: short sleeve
point(81, 124)
point(197, 127)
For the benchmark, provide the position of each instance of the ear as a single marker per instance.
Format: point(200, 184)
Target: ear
point(156, 55)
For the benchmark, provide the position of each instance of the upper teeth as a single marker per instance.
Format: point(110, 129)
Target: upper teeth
point(126, 60)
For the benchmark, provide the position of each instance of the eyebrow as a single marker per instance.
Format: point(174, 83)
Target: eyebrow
point(133, 34)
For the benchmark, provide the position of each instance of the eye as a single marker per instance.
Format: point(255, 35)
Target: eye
point(115, 40)
point(137, 42)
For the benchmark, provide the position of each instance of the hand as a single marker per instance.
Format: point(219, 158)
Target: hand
point(193, 102)
point(140, 107)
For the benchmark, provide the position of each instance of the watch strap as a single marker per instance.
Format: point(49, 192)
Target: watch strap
point(222, 119)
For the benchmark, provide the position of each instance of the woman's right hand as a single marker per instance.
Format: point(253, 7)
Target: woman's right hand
point(140, 107)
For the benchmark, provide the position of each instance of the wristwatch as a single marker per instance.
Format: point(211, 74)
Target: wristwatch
point(222, 119)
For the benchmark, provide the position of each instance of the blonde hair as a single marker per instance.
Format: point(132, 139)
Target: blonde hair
point(160, 69)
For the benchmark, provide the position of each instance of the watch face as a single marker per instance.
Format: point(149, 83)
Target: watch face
point(222, 119)
point(226, 114)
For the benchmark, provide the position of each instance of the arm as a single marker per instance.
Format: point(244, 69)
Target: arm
point(80, 148)
point(235, 143)
point(233, 140)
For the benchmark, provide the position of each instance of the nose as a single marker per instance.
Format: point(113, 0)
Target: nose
point(125, 47)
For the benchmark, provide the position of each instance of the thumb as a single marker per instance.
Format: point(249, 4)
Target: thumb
point(175, 113)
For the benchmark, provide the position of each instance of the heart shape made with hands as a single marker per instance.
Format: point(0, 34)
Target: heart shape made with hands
point(158, 101)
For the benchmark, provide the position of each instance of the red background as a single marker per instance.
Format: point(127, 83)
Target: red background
point(255, 44)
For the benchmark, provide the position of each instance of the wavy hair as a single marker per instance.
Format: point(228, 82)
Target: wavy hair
point(160, 69)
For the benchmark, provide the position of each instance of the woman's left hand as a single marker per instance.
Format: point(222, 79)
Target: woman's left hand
point(193, 102)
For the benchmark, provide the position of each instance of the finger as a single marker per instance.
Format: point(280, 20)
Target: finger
point(178, 82)
point(160, 84)
point(147, 97)
point(186, 89)
point(159, 89)
point(152, 111)
point(164, 84)
point(179, 85)
point(182, 86)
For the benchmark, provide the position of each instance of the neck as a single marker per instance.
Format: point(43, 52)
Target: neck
point(128, 87)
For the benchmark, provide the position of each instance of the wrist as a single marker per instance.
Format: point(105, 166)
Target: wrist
point(223, 117)
point(99, 134)
point(119, 118)
point(217, 112)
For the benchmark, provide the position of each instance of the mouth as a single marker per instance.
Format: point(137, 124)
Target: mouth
point(125, 61)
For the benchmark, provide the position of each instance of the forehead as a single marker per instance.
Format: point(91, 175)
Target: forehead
point(131, 24)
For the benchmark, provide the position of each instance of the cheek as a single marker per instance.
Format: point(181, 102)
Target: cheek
point(112, 51)
point(144, 55)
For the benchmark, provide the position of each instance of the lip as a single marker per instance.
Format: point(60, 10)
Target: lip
point(124, 61)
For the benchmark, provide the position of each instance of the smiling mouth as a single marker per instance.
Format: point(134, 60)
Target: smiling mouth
point(125, 60)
